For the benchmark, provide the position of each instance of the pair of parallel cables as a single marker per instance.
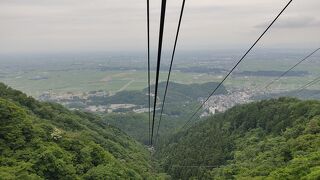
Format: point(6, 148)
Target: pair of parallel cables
point(160, 42)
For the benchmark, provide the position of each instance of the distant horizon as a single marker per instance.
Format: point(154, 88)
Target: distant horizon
point(36, 26)
point(165, 52)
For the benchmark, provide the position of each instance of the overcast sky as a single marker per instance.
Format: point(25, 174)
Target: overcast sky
point(120, 25)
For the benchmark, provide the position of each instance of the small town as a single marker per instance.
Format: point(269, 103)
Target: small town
point(221, 103)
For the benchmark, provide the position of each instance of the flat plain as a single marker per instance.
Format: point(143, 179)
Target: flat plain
point(79, 74)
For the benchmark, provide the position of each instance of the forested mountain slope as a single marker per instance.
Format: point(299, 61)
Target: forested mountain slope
point(271, 139)
point(47, 141)
point(135, 124)
point(180, 103)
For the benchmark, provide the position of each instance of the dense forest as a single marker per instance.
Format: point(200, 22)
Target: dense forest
point(46, 141)
point(180, 104)
point(135, 124)
point(271, 139)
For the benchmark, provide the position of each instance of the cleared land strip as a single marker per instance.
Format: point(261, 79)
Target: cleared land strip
point(125, 86)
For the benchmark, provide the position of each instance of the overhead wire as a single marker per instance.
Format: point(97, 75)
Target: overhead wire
point(162, 20)
point(148, 56)
point(317, 94)
point(241, 59)
point(309, 84)
point(297, 64)
point(170, 68)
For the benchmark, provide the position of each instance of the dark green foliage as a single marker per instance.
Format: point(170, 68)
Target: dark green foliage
point(181, 101)
point(47, 141)
point(274, 139)
point(136, 125)
point(178, 93)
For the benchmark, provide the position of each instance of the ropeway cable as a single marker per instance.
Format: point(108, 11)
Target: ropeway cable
point(170, 68)
point(241, 59)
point(162, 20)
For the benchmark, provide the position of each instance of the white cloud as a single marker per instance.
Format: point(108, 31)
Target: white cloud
point(295, 22)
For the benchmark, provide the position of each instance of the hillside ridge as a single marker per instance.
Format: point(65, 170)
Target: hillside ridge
point(270, 139)
point(46, 141)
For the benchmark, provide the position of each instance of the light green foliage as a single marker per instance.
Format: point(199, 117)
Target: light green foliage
point(47, 141)
point(274, 139)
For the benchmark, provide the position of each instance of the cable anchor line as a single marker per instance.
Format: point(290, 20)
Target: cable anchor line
point(148, 57)
point(297, 64)
point(162, 20)
point(309, 84)
point(170, 68)
point(241, 59)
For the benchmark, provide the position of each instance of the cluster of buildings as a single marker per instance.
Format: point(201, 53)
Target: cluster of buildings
point(221, 103)
point(117, 108)
point(77, 101)
point(69, 96)
point(62, 97)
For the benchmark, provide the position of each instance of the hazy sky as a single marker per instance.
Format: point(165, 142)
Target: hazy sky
point(120, 25)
